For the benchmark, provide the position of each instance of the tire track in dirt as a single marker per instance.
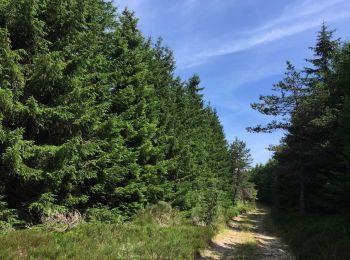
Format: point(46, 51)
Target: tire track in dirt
point(247, 237)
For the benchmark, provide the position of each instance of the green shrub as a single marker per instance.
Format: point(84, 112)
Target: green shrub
point(46, 206)
point(237, 209)
point(8, 217)
point(104, 214)
point(163, 214)
point(206, 211)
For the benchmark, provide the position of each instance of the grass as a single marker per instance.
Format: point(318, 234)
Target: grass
point(246, 226)
point(315, 237)
point(246, 250)
point(149, 236)
point(133, 240)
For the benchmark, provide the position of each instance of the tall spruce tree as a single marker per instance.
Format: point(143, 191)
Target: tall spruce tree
point(93, 119)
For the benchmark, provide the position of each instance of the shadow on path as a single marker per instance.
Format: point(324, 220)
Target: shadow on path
point(247, 237)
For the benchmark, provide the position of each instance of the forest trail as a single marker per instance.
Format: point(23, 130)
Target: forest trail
point(247, 237)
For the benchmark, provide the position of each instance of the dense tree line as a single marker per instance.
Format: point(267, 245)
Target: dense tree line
point(310, 169)
point(93, 119)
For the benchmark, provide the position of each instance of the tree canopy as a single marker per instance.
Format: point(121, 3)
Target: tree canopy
point(309, 171)
point(92, 117)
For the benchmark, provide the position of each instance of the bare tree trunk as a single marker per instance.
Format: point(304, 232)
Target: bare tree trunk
point(302, 192)
point(301, 185)
point(236, 184)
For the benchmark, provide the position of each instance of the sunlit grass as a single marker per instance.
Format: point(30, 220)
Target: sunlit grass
point(246, 250)
point(106, 241)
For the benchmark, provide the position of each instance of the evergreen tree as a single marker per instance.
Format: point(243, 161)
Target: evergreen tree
point(240, 168)
point(289, 106)
point(314, 116)
point(93, 119)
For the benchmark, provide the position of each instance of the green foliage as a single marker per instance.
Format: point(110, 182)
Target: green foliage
point(45, 206)
point(8, 217)
point(104, 214)
point(206, 210)
point(92, 119)
point(265, 177)
point(241, 180)
point(161, 214)
point(309, 172)
point(310, 237)
point(237, 209)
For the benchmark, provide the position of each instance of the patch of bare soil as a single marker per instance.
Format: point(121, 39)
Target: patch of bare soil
point(247, 237)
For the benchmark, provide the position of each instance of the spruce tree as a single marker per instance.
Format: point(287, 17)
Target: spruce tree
point(93, 119)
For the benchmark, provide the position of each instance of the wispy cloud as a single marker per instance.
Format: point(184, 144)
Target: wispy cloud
point(304, 16)
point(303, 9)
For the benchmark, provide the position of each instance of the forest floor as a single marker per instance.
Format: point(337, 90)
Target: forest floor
point(247, 237)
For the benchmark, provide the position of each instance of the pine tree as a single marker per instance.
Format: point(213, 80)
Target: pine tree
point(313, 117)
point(337, 185)
point(289, 106)
point(241, 160)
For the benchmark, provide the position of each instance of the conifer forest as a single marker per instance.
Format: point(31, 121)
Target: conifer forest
point(105, 153)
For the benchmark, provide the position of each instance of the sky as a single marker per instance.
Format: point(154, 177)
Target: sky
point(239, 49)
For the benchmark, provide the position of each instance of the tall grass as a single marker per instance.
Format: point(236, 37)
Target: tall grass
point(315, 237)
point(107, 241)
point(158, 233)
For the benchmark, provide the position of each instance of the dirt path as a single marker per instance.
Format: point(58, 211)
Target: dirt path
point(247, 237)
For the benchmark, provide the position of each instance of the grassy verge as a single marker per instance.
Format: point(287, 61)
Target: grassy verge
point(153, 235)
point(315, 237)
point(133, 240)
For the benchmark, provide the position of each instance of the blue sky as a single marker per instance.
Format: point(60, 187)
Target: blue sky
point(239, 49)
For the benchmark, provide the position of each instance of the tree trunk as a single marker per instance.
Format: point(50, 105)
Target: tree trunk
point(301, 186)
point(301, 192)
point(236, 185)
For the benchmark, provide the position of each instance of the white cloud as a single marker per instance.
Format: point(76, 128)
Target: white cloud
point(305, 8)
point(286, 25)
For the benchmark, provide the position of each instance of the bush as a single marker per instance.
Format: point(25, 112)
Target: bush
point(161, 214)
point(62, 221)
point(104, 214)
point(239, 208)
point(206, 210)
point(45, 207)
point(8, 217)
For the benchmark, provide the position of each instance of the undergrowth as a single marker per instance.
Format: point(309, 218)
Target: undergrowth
point(157, 233)
point(315, 237)
point(142, 238)
point(237, 209)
